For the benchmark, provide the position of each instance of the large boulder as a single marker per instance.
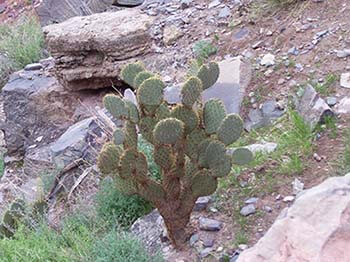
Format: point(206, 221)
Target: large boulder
point(37, 109)
point(53, 11)
point(90, 50)
point(316, 228)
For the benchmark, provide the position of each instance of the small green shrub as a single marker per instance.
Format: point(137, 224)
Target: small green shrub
point(204, 49)
point(147, 148)
point(114, 206)
point(121, 247)
point(22, 44)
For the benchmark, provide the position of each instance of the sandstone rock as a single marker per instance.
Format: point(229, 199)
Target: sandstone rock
point(313, 108)
point(316, 228)
point(36, 105)
point(171, 34)
point(90, 50)
point(235, 75)
point(52, 11)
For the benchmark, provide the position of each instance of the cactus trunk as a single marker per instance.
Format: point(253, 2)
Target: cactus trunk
point(177, 223)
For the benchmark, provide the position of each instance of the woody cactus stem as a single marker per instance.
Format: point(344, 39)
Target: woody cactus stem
point(189, 139)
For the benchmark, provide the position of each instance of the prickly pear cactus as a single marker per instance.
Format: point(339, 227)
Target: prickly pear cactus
point(189, 139)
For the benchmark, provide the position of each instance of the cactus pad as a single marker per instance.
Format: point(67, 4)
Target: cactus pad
point(203, 184)
point(133, 111)
point(133, 164)
point(202, 156)
point(193, 141)
point(230, 129)
point(116, 106)
point(118, 136)
point(130, 140)
point(162, 112)
point(163, 157)
point(150, 93)
point(222, 167)
point(191, 91)
point(130, 71)
point(188, 116)
point(140, 77)
point(215, 152)
point(168, 131)
point(214, 113)
point(209, 74)
point(242, 156)
point(108, 159)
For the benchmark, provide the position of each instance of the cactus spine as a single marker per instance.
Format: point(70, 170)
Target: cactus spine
point(189, 141)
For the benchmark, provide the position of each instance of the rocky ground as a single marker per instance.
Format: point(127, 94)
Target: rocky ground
point(285, 49)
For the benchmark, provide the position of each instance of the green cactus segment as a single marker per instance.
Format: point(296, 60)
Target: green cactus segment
point(192, 143)
point(203, 184)
point(202, 155)
point(133, 111)
point(118, 136)
point(162, 112)
point(223, 167)
point(191, 91)
point(108, 159)
point(133, 165)
point(130, 140)
point(130, 71)
point(163, 157)
point(140, 77)
point(17, 207)
point(146, 126)
point(150, 92)
point(242, 156)
point(215, 152)
point(126, 186)
point(188, 116)
point(230, 129)
point(5, 232)
point(214, 113)
point(169, 131)
point(116, 106)
point(209, 74)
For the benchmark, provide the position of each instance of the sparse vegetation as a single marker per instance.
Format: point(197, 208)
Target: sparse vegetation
point(22, 44)
point(328, 86)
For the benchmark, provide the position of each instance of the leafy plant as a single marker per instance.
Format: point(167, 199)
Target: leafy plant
point(22, 44)
point(204, 49)
point(113, 206)
point(189, 142)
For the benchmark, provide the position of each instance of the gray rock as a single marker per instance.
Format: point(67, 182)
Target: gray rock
point(128, 2)
point(345, 80)
point(270, 109)
point(214, 3)
point(208, 241)
point(3, 7)
point(224, 12)
point(51, 11)
point(82, 141)
point(111, 39)
point(293, 51)
point(202, 203)
point(194, 239)
point(268, 60)
point(265, 148)
point(248, 210)
point(33, 67)
point(209, 224)
point(298, 186)
point(268, 209)
point(313, 108)
point(148, 230)
point(331, 101)
point(343, 107)
point(36, 105)
point(205, 252)
point(252, 200)
point(343, 53)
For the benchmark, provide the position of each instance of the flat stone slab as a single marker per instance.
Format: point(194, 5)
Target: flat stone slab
point(208, 224)
point(235, 75)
